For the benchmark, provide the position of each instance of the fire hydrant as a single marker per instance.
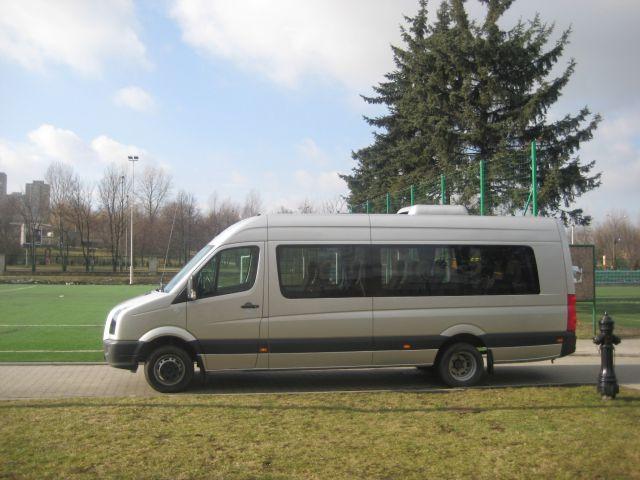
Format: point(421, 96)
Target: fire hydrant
point(607, 381)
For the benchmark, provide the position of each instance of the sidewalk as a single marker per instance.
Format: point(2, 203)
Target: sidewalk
point(629, 347)
point(99, 380)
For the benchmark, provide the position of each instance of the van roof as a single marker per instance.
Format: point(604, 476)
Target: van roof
point(379, 227)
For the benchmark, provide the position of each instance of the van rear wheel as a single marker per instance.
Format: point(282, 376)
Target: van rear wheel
point(169, 369)
point(461, 365)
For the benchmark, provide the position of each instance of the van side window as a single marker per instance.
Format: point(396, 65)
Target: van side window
point(326, 271)
point(452, 270)
point(229, 271)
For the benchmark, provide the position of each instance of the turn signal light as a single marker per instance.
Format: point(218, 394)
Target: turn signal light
point(406, 346)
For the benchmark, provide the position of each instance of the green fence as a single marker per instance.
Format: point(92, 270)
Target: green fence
point(506, 185)
point(617, 277)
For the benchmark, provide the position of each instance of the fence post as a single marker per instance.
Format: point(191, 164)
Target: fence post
point(388, 201)
point(367, 206)
point(412, 194)
point(534, 179)
point(481, 187)
point(2, 263)
point(443, 189)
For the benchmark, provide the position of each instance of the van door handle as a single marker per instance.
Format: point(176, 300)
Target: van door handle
point(250, 305)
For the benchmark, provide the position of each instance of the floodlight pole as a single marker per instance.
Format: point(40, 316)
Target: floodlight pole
point(123, 254)
point(133, 159)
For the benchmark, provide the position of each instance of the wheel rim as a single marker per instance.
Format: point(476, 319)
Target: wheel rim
point(169, 369)
point(462, 366)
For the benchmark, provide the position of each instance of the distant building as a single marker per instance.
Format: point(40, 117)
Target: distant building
point(3, 186)
point(37, 194)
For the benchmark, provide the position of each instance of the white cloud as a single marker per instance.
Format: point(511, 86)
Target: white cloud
point(289, 39)
point(325, 183)
point(309, 150)
point(238, 179)
point(82, 35)
point(58, 144)
point(348, 41)
point(26, 161)
point(135, 98)
point(617, 155)
point(107, 150)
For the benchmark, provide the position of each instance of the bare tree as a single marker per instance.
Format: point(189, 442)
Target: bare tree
point(283, 209)
point(32, 216)
point(113, 201)
point(614, 238)
point(186, 215)
point(153, 191)
point(222, 213)
point(252, 204)
point(60, 178)
point(306, 206)
point(82, 215)
point(332, 206)
point(9, 231)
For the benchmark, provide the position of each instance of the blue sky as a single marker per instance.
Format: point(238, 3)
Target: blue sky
point(233, 96)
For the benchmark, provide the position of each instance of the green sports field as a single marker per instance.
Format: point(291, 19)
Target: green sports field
point(57, 322)
point(65, 322)
point(622, 303)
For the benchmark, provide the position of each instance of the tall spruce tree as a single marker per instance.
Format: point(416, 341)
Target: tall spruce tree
point(464, 91)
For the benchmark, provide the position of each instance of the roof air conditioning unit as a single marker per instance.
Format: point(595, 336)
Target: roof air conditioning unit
point(434, 210)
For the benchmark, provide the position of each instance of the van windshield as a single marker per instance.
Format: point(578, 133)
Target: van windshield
point(187, 268)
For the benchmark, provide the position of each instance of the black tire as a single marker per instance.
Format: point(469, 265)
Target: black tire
point(169, 369)
point(461, 365)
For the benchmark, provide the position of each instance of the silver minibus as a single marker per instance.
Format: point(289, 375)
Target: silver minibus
point(433, 287)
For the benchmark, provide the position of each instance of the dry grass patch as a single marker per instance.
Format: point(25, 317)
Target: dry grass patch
point(483, 433)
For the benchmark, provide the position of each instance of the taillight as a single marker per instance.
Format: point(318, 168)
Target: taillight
point(572, 316)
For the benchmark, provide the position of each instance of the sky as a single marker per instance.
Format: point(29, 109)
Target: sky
point(233, 95)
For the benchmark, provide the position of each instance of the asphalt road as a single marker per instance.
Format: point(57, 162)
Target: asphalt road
point(64, 381)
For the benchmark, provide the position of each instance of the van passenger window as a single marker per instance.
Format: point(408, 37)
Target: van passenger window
point(451, 270)
point(327, 271)
point(229, 271)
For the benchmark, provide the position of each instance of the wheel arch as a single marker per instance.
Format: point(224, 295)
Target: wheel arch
point(465, 337)
point(162, 336)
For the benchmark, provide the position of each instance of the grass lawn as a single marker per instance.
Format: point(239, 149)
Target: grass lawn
point(622, 303)
point(83, 307)
point(498, 433)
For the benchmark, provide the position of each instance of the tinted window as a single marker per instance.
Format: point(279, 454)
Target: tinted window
point(445, 270)
point(229, 271)
point(327, 271)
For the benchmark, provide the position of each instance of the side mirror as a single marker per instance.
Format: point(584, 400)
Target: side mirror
point(191, 292)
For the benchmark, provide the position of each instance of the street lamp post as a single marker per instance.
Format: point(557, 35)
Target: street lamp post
point(133, 159)
point(616, 238)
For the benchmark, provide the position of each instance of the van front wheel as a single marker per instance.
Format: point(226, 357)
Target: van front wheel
point(169, 369)
point(461, 365)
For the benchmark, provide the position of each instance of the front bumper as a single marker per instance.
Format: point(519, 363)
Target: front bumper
point(122, 353)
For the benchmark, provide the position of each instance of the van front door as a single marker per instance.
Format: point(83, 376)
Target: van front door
point(226, 312)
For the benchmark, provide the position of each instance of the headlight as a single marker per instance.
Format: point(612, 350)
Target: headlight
point(112, 319)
